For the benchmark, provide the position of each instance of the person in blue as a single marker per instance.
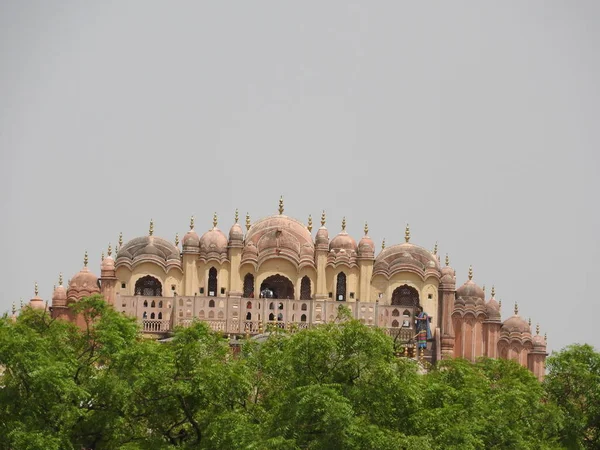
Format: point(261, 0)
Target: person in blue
point(423, 330)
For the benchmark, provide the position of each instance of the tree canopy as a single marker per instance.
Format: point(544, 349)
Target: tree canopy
point(336, 386)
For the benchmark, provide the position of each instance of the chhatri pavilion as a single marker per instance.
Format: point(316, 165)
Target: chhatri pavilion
point(278, 273)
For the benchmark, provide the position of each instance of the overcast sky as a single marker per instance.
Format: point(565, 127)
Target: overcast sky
point(476, 122)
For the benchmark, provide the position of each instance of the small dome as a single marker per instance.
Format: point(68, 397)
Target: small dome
point(191, 242)
point(539, 343)
point(213, 244)
point(236, 234)
point(83, 284)
point(470, 289)
point(36, 302)
point(516, 324)
point(405, 256)
point(493, 309)
point(59, 296)
point(343, 241)
point(322, 238)
point(108, 263)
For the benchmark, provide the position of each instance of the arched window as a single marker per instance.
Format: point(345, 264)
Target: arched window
point(304, 307)
point(405, 296)
point(271, 305)
point(153, 304)
point(406, 313)
point(181, 313)
point(318, 317)
point(340, 293)
point(249, 286)
point(145, 315)
point(152, 316)
point(188, 313)
point(160, 304)
point(201, 314)
point(211, 303)
point(148, 286)
point(305, 288)
point(271, 316)
point(303, 318)
point(280, 305)
point(395, 313)
point(249, 305)
point(212, 282)
point(220, 315)
point(280, 317)
point(160, 316)
point(188, 302)
point(211, 314)
point(248, 316)
point(145, 303)
point(395, 324)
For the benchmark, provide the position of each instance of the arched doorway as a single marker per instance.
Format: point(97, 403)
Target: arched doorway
point(405, 296)
point(249, 286)
point(305, 288)
point(340, 287)
point(280, 286)
point(212, 282)
point(148, 286)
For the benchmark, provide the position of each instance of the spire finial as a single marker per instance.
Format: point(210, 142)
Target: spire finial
point(470, 272)
point(344, 223)
point(85, 259)
point(109, 249)
point(516, 309)
point(366, 229)
point(176, 239)
point(247, 221)
point(21, 302)
point(499, 304)
point(493, 291)
point(151, 230)
point(309, 226)
point(120, 239)
point(435, 248)
point(407, 233)
point(192, 223)
point(529, 321)
point(537, 329)
point(14, 308)
point(60, 279)
point(483, 289)
point(102, 256)
point(215, 220)
point(323, 218)
point(447, 260)
point(545, 337)
point(281, 205)
point(237, 216)
point(36, 290)
point(383, 244)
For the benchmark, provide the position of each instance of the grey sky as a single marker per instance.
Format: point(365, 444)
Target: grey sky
point(476, 122)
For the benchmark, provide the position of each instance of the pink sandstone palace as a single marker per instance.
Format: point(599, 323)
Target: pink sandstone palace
point(277, 274)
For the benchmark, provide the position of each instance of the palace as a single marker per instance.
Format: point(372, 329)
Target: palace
point(278, 273)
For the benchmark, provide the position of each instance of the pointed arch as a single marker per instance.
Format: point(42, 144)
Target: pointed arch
point(148, 286)
point(340, 287)
point(405, 296)
point(305, 291)
point(249, 286)
point(212, 282)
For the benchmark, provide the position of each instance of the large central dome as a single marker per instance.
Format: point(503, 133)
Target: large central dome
point(279, 236)
point(149, 248)
point(406, 256)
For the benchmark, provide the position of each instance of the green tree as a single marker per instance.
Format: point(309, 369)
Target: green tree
point(573, 383)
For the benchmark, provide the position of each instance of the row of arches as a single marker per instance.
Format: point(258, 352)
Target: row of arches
point(158, 316)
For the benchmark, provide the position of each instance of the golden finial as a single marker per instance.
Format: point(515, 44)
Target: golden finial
point(483, 289)
point(21, 302)
point(247, 221)
point(60, 279)
point(499, 304)
point(85, 259)
point(537, 329)
point(151, 231)
point(435, 248)
point(192, 223)
point(470, 272)
point(120, 239)
point(529, 321)
point(109, 249)
point(344, 224)
point(102, 256)
point(237, 216)
point(516, 308)
point(447, 260)
point(215, 220)
point(281, 205)
point(36, 289)
point(14, 308)
point(176, 239)
point(309, 226)
point(323, 218)
point(366, 228)
point(545, 337)
point(407, 233)
point(493, 291)
point(383, 244)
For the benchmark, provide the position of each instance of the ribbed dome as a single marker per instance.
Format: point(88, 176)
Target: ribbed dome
point(493, 309)
point(191, 242)
point(108, 263)
point(405, 256)
point(343, 241)
point(83, 284)
point(515, 324)
point(539, 343)
point(236, 235)
point(213, 245)
point(279, 236)
point(322, 238)
point(149, 249)
point(470, 289)
point(59, 296)
point(366, 247)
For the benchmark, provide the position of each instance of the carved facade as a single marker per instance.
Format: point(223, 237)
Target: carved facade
point(278, 273)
